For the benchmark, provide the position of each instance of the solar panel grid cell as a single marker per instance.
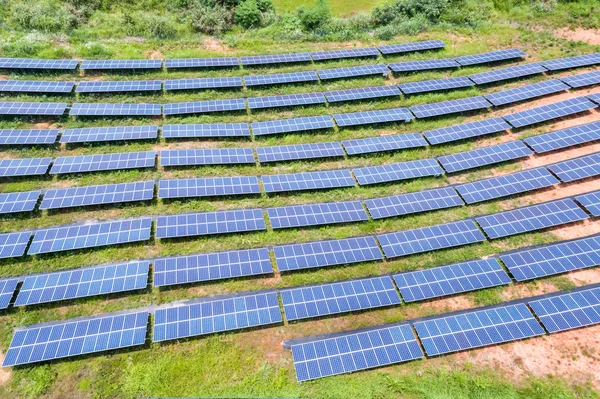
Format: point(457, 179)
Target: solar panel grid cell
point(29, 63)
point(28, 136)
point(568, 311)
point(32, 108)
point(577, 168)
point(118, 86)
point(352, 72)
point(513, 72)
point(18, 202)
point(299, 151)
point(96, 134)
point(425, 86)
point(450, 107)
point(384, 143)
point(591, 202)
point(275, 59)
point(348, 53)
point(410, 47)
point(572, 62)
point(202, 62)
point(97, 195)
point(397, 171)
point(107, 109)
point(372, 117)
point(208, 187)
point(582, 79)
point(102, 162)
point(31, 86)
point(420, 201)
point(564, 138)
point(316, 214)
point(286, 101)
point(526, 92)
point(307, 181)
point(207, 156)
point(292, 125)
point(24, 166)
point(281, 78)
point(466, 130)
point(203, 83)
point(594, 97)
point(199, 107)
point(484, 156)
point(494, 56)
point(550, 111)
point(13, 245)
point(206, 130)
point(7, 290)
point(425, 65)
point(121, 64)
point(362, 93)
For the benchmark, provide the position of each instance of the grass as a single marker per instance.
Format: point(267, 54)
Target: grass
point(339, 8)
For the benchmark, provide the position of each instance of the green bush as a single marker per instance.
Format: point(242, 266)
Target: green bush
point(212, 20)
point(248, 15)
point(316, 17)
point(469, 12)
point(43, 16)
point(24, 46)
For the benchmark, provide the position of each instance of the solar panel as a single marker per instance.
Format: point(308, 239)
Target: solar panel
point(494, 56)
point(23, 201)
point(99, 86)
point(341, 54)
point(204, 83)
point(429, 238)
point(426, 86)
point(211, 316)
point(591, 202)
point(397, 171)
point(281, 78)
point(582, 79)
point(76, 337)
point(30, 108)
point(199, 107)
point(307, 181)
point(420, 201)
point(353, 72)
point(28, 136)
point(512, 72)
point(80, 283)
point(477, 328)
point(552, 259)
point(410, 47)
point(299, 151)
point(206, 223)
point(206, 156)
point(106, 109)
point(202, 62)
point(206, 130)
point(594, 97)
point(7, 290)
point(213, 266)
point(526, 92)
point(550, 111)
point(372, 117)
point(208, 187)
point(286, 101)
point(564, 138)
point(29, 63)
point(504, 186)
point(451, 279)
point(96, 134)
point(100, 162)
point(384, 143)
point(424, 65)
point(32, 86)
point(466, 130)
point(98, 195)
point(292, 125)
point(572, 62)
point(484, 156)
point(316, 214)
point(326, 253)
point(362, 93)
point(568, 311)
point(24, 166)
point(275, 59)
point(13, 245)
point(95, 234)
point(450, 107)
point(340, 297)
point(355, 351)
point(577, 168)
point(121, 64)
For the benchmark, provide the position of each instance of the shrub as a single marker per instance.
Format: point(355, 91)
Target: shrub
point(43, 16)
point(316, 17)
point(95, 50)
point(469, 12)
point(247, 14)
point(213, 20)
point(265, 5)
point(24, 46)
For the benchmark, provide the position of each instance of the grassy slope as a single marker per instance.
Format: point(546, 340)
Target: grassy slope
point(338, 8)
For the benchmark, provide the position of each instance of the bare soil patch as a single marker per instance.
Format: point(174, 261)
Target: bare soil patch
point(215, 45)
point(4, 372)
point(155, 55)
point(591, 36)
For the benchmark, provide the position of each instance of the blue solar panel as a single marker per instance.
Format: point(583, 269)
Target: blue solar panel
point(477, 328)
point(426, 86)
point(76, 337)
point(24, 167)
point(7, 290)
point(549, 112)
point(451, 279)
point(208, 187)
point(577, 168)
point(95, 134)
point(413, 46)
point(355, 351)
point(30, 108)
point(316, 214)
point(211, 316)
point(292, 125)
point(121, 64)
point(13, 245)
point(512, 72)
point(348, 53)
point(275, 59)
point(286, 101)
point(564, 138)
point(384, 143)
point(340, 297)
point(493, 56)
point(420, 201)
point(429, 238)
point(18, 202)
point(99, 86)
point(202, 62)
point(591, 202)
point(372, 117)
point(308, 181)
point(326, 253)
point(572, 62)
point(353, 72)
point(299, 151)
point(466, 130)
point(28, 136)
point(526, 92)
point(203, 83)
point(484, 156)
point(33, 86)
point(424, 65)
point(97, 195)
point(552, 259)
point(594, 97)
point(450, 107)
point(199, 107)
point(213, 266)
point(100, 162)
point(281, 78)
point(80, 283)
point(582, 79)
point(206, 156)
point(362, 93)
point(29, 63)
point(107, 109)
point(397, 171)
point(95, 234)
point(568, 311)
point(206, 130)
point(206, 223)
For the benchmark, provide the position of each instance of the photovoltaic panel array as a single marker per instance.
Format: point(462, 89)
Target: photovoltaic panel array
point(425, 86)
point(512, 72)
point(24, 167)
point(572, 62)
point(503, 186)
point(101, 162)
point(299, 151)
point(13, 245)
point(346, 296)
point(215, 316)
point(353, 72)
point(494, 56)
point(420, 201)
point(450, 107)
point(200, 107)
point(362, 93)
point(281, 78)
point(451, 279)
point(582, 79)
point(591, 202)
point(97, 195)
point(206, 223)
point(526, 92)
point(206, 156)
point(477, 328)
point(292, 125)
point(341, 54)
point(397, 171)
point(550, 111)
point(577, 168)
point(28, 136)
point(203, 83)
point(275, 59)
point(370, 117)
point(208, 187)
point(32, 86)
point(568, 311)
point(564, 138)
point(484, 156)
point(307, 181)
point(118, 86)
point(121, 64)
point(286, 101)
point(355, 351)
point(466, 130)
point(202, 62)
point(77, 337)
point(106, 109)
point(23, 201)
point(410, 47)
point(95, 134)
point(316, 214)
point(206, 130)
point(29, 63)
point(213, 266)
point(80, 283)
point(553, 259)
point(7, 290)
point(594, 97)
point(425, 65)
point(384, 143)
point(429, 238)
point(32, 108)
point(326, 253)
